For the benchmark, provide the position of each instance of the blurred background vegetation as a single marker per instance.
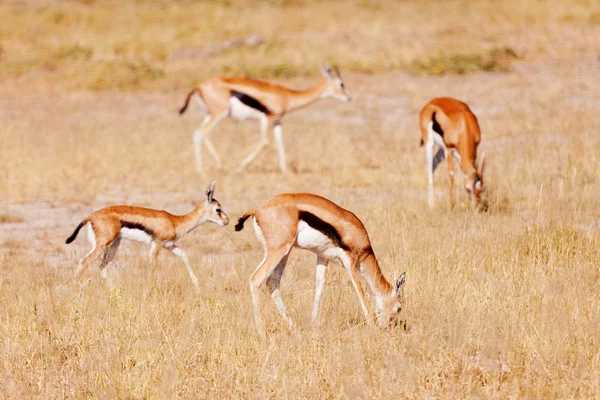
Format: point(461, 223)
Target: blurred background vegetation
point(159, 44)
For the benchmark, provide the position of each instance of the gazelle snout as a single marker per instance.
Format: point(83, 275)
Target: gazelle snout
point(217, 215)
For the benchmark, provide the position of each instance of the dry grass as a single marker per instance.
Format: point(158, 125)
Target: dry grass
point(110, 45)
point(501, 304)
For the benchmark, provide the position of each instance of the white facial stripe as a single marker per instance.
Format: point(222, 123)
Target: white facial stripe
point(136, 235)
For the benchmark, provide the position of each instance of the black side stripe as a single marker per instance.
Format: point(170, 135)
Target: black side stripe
point(436, 126)
point(135, 225)
point(250, 102)
point(325, 228)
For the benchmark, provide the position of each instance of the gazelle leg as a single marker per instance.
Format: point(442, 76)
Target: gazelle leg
point(94, 253)
point(181, 254)
point(352, 269)
point(155, 247)
point(273, 258)
point(265, 124)
point(277, 133)
point(451, 179)
point(429, 156)
point(321, 266)
point(198, 138)
point(273, 282)
point(213, 152)
point(201, 135)
point(107, 258)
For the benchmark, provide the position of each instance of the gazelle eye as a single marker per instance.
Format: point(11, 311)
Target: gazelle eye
point(218, 210)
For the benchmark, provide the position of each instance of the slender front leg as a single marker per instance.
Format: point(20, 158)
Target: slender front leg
point(181, 254)
point(280, 147)
point(265, 125)
point(352, 270)
point(321, 266)
point(154, 250)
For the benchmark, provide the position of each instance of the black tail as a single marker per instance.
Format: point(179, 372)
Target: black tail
point(240, 225)
point(187, 101)
point(74, 235)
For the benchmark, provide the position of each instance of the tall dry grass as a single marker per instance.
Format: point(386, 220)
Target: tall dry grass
point(498, 304)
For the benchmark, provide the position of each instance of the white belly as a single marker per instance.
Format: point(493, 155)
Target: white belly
point(240, 111)
point(315, 241)
point(136, 235)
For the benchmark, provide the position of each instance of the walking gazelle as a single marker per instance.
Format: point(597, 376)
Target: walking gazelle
point(451, 125)
point(158, 228)
point(311, 222)
point(245, 98)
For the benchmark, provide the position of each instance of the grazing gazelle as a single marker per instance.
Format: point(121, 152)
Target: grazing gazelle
point(451, 125)
point(244, 98)
point(158, 228)
point(314, 223)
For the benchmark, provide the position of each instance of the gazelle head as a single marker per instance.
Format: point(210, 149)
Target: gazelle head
point(212, 211)
point(335, 87)
point(476, 186)
point(392, 304)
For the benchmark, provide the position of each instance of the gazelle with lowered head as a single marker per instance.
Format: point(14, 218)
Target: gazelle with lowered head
point(451, 125)
point(311, 222)
point(158, 228)
point(245, 98)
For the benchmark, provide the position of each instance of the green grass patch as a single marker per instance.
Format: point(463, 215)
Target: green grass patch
point(74, 52)
point(7, 218)
point(108, 75)
point(496, 60)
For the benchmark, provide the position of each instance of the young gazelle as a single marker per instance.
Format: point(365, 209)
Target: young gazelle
point(451, 125)
point(314, 223)
point(244, 98)
point(160, 229)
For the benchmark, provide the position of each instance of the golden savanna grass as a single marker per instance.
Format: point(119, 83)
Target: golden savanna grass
point(502, 304)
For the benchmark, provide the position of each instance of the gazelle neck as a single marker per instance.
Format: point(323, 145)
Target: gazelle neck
point(191, 220)
point(379, 285)
point(308, 96)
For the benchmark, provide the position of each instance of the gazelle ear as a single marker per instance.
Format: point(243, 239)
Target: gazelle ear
point(325, 69)
point(210, 190)
point(337, 71)
point(481, 166)
point(399, 284)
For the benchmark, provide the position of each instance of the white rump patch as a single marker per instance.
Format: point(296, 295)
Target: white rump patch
point(241, 112)
point(91, 235)
point(136, 235)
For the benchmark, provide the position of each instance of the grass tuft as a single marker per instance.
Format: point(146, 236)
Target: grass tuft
point(496, 60)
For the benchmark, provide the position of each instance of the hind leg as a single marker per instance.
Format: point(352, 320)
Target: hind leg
point(201, 136)
point(107, 258)
point(274, 258)
point(93, 253)
point(273, 282)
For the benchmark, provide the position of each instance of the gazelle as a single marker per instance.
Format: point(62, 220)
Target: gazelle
point(311, 222)
point(451, 125)
point(244, 98)
point(158, 228)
